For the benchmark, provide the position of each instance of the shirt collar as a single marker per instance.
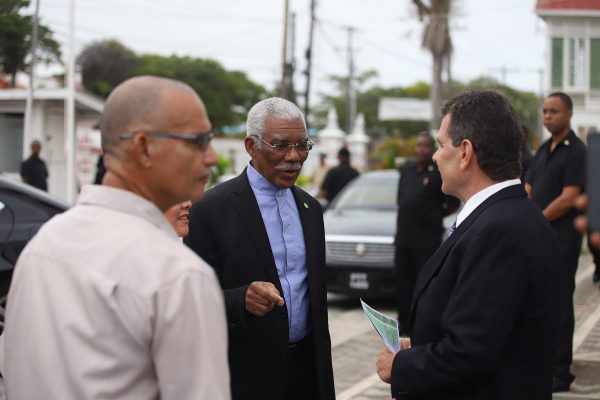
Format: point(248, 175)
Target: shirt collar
point(482, 196)
point(566, 142)
point(126, 202)
point(261, 185)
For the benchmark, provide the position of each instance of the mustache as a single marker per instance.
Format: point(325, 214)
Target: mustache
point(289, 166)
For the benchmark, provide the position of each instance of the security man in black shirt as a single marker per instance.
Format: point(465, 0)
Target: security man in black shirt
point(554, 180)
point(33, 170)
point(421, 209)
point(338, 177)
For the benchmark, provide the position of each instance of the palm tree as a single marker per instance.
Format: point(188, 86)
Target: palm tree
point(436, 39)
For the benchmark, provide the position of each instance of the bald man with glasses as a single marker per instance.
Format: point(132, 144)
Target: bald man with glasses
point(265, 239)
point(106, 302)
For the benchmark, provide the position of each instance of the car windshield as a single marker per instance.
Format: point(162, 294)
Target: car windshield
point(369, 192)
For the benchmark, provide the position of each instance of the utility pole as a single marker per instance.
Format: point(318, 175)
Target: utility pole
point(291, 62)
point(307, 71)
point(27, 134)
point(350, 92)
point(284, 50)
point(70, 108)
point(286, 89)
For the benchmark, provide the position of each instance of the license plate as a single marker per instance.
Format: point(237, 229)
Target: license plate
point(358, 280)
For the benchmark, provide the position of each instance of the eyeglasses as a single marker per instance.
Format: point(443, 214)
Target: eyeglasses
point(303, 146)
point(202, 139)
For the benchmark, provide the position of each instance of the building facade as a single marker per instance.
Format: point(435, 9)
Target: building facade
point(574, 57)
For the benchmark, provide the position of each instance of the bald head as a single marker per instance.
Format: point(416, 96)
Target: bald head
point(140, 103)
point(160, 158)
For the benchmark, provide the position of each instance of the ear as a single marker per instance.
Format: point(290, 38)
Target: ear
point(144, 149)
point(250, 146)
point(467, 154)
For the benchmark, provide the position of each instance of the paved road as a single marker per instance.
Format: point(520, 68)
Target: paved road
point(355, 344)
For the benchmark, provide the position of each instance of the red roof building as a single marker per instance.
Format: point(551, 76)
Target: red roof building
point(573, 29)
point(581, 7)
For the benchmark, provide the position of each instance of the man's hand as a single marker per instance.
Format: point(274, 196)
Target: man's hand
point(261, 297)
point(404, 343)
point(581, 222)
point(385, 360)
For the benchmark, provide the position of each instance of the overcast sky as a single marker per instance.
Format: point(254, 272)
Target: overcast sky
point(246, 35)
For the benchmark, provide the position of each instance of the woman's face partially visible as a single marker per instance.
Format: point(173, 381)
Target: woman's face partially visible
point(179, 216)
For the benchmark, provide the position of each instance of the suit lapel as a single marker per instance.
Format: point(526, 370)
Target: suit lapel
point(436, 261)
point(247, 208)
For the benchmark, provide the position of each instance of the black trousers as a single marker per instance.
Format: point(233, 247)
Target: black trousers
point(408, 262)
point(301, 377)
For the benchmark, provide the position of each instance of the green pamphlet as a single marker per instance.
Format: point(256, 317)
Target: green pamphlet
point(386, 327)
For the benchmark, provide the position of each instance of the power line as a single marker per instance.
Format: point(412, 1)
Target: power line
point(328, 40)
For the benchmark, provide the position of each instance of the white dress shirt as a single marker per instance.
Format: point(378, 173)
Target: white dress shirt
point(107, 303)
point(482, 196)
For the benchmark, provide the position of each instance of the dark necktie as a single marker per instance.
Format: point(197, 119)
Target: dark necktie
point(452, 228)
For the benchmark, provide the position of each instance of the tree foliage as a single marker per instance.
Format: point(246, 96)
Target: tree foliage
point(105, 64)
point(228, 95)
point(16, 39)
point(436, 39)
point(391, 139)
point(220, 89)
point(526, 104)
point(368, 104)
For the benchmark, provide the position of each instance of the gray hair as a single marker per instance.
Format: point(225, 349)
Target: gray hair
point(273, 107)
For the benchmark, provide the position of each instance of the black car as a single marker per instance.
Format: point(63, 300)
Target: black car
point(23, 210)
point(360, 227)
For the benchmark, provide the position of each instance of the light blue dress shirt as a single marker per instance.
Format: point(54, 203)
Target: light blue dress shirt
point(282, 221)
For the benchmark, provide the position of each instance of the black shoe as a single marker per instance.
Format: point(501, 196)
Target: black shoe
point(559, 385)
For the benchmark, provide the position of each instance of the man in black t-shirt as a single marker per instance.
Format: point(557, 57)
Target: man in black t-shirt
point(33, 170)
point(421, 208)
point(338, 177)
point(554, 180)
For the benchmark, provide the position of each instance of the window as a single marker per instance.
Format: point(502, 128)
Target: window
point(595, 63)
point(557, 62)
point(576, 49)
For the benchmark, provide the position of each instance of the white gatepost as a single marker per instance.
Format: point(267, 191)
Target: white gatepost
point(331, 138)
point(358, 145)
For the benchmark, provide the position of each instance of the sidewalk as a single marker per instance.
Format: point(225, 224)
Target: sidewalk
point(586, 340)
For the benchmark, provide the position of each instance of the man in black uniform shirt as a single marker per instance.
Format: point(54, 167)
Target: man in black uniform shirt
point(421, 208)
point(555, 179)
point(33, 170)
point(338, 177)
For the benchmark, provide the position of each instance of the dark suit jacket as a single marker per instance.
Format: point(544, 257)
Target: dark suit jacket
point(484, 315)
point(227, 231)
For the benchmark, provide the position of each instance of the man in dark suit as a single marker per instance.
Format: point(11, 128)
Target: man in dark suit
point(265, 239)
point(484, 316)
